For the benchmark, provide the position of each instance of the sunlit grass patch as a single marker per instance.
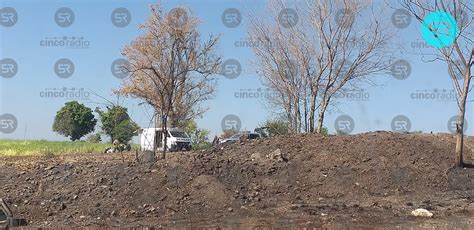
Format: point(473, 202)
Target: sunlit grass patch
point(48, 148)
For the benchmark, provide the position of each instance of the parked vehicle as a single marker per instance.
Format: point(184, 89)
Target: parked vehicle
point(240, 136)
point(177, 139)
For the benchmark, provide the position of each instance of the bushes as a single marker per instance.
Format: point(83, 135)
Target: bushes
point(94, 138)
point(117, 124)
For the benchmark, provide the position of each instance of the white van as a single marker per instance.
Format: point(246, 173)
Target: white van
point(177, 139)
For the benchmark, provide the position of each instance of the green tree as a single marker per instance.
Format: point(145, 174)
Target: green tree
point(273, 128)
point(324, 130)
point(340, 133)
point(74, 120)
point(198, 135)
point(117, 124)
point(94, 138)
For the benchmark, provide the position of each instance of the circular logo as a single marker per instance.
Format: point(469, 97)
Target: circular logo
point(288, 18)
point(344, 124)
point(64, 68)
point(439, 29)
point(8, 68)
point(8, 123)
point(178, 17)
point(344, 17)
point(231, 17)
point(8, 17)
point(401, 124)
point(231, 122)
point(401, 18)
point(231, 69)
point(452, 124)
point(64, 17)
point(119, 68)
point(121, 17)
point(400, 69)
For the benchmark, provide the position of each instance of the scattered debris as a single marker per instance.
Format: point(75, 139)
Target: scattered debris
point(277, 155)
point(421, 212)
point(7, 220)
point(146, 157)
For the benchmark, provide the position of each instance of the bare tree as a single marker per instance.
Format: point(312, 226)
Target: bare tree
point(458, 55)
point(278, 64)
point(170, 68)
point(353, 43)
point(333, 45)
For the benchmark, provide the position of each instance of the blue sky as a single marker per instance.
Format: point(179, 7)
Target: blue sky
point(23, 94)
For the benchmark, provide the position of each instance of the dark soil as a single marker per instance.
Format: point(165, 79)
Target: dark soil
point(365, 181)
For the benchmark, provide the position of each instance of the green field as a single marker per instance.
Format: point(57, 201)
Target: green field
point(48, 148)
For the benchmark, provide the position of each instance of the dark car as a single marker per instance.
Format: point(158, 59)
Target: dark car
point(237, 137)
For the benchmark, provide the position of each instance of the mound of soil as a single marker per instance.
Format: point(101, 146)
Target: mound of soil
point(365, 180)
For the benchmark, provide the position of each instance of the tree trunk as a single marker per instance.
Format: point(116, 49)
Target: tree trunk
point(319, 127)
point(289, 117)
point(460, 124)
point(155, 140)
point(165, 133)
point(322, 112)
point(312, 112)
point(306, 114)
point(298, 115)
point(459, 141)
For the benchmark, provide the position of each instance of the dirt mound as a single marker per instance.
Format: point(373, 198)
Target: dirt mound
point(306, 180)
